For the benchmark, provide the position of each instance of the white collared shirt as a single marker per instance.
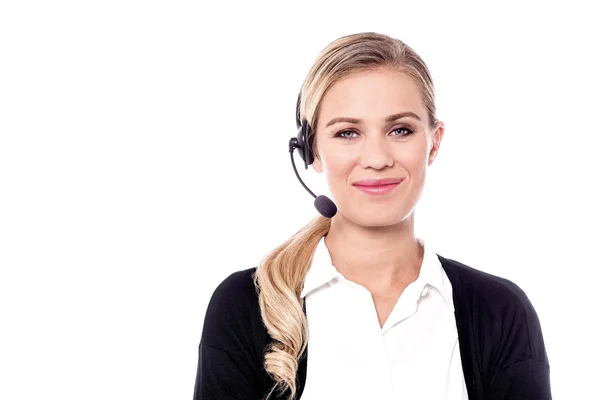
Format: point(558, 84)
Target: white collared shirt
point(414, 356)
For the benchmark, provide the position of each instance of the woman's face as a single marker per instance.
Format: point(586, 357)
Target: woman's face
point(374, 125)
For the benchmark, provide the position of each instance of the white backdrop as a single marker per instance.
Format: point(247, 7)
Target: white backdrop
point(143, 158)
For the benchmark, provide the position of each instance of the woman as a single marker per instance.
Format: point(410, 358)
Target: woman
point(355, 306)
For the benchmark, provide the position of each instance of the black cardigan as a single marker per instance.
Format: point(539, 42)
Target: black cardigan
point(499, 333)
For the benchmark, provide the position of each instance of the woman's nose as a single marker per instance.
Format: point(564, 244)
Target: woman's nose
point(375, 152)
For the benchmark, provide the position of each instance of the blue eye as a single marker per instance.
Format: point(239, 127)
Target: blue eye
point(347, 134)
point(343, 136)
point(407, 131)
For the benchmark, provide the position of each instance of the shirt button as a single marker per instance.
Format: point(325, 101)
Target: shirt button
point(424, 292)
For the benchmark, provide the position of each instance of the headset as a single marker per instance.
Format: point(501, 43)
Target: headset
point(304, 143)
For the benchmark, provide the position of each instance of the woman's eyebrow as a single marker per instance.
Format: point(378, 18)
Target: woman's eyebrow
point(343, 119)
point(394, 117)
point(390, 118)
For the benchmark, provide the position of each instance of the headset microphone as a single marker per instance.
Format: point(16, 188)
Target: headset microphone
point(324, 205)
point(303, 142)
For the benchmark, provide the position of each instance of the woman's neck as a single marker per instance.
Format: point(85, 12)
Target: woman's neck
point(381, 258)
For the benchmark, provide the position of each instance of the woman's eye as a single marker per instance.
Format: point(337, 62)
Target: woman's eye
point(403, 131)
point(345, 134)
point(350, 134)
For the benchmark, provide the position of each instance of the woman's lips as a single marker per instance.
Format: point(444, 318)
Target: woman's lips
point(378, 189)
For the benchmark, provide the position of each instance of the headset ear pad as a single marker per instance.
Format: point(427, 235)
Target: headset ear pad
point(304, 132)
point(304, 145)
point(298, 123)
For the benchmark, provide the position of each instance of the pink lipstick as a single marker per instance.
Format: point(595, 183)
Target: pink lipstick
point(378, 186)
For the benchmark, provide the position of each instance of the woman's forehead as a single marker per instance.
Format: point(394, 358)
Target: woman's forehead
point(371, 95)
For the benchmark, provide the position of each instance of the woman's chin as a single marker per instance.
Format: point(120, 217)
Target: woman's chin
point(379, 218)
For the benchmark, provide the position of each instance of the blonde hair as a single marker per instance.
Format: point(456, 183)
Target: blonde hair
point(280, 276)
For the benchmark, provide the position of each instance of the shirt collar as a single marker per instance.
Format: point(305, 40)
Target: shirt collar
point(321, 271)
point(432, 273)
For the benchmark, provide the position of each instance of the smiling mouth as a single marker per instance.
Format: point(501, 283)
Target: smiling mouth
point(377, 189)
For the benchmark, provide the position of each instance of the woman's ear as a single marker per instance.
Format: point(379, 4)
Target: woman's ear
point(437, 136)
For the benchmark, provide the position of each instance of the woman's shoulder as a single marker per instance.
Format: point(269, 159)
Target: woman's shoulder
point(482, 285)
point(233, 321)
point(497, 304)
point(236, 289)
point(233, 341)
